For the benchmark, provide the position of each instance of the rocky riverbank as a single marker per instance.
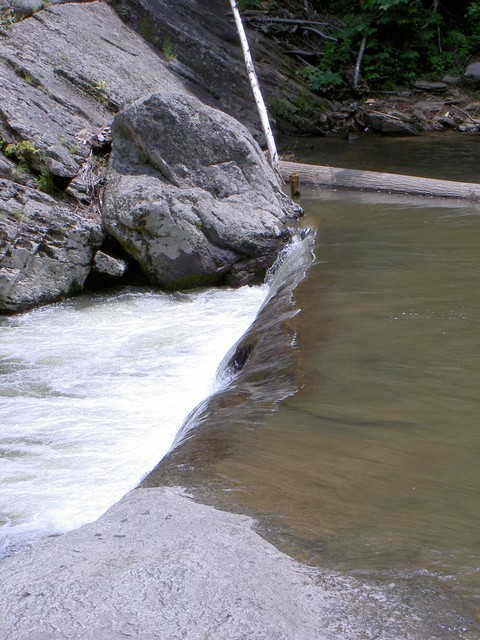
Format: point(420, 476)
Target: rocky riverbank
point(428, 106)
point(206, 207)
point(190, 198)
point(119, 153)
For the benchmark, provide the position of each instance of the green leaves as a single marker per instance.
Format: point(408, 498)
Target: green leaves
point(404, 39)
point(383, 5)
point(24, 151)
point(321, 80)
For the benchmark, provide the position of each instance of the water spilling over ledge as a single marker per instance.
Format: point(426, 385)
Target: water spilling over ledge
point(92, 392)
point(158, 560)
point(255, 375)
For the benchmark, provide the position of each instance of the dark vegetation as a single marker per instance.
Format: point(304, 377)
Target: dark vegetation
point(366, 45)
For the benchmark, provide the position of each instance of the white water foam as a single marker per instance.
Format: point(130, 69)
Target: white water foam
point(92, 392)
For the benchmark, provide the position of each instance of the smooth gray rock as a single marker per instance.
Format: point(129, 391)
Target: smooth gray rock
point(389, 125)
point(189, 193)
point(159, 566)
point(451, 80)
point(46, 247)
point(472, 73)
point(431, 87)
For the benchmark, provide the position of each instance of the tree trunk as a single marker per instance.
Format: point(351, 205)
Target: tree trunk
point(262, 110)
point(358, 65)
point(315, 175)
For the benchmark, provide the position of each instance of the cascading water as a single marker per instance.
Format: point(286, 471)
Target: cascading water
point(93, 391)
point(256, 374)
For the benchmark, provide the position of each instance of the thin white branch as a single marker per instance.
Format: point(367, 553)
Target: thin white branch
point(358, 65)
point(262, 109)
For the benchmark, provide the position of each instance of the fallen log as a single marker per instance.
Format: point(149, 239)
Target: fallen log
point(316, 175)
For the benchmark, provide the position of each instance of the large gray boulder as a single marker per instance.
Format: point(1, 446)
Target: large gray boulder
point(45, 247)
point(472, 74)
point(191, 196)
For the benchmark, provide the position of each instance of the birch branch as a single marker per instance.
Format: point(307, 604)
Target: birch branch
point(358, 64)
point(262, 110)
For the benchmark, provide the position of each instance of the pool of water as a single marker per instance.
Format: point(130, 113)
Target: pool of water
point(446, 155)
point(372, 467)
point(346, 421)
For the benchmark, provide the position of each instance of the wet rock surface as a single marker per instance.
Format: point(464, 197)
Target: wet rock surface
point(158, 565)
point(189, 194)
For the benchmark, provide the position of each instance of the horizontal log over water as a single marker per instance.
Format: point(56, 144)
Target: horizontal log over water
point(334, 177)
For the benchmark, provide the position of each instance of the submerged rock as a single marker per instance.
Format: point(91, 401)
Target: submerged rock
point(190, 195)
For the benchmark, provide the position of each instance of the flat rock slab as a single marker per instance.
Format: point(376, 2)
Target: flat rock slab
point(158, 565)
point(65, 71)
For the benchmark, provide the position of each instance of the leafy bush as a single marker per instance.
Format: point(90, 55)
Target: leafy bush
point(281, 109)
point(403, 39)
point(8, 17)
point(321, 80)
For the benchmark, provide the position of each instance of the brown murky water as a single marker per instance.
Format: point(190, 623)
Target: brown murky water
point(373, 466)
point(446, 155)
